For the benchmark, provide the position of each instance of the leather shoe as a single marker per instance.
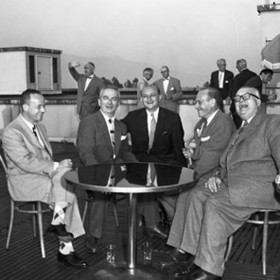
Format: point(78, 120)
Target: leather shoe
point(60, 232)
point(201, 274)
point(180, 258)
point(151, 231)
point(71, 259)
point(91, 245)
point(186, 268)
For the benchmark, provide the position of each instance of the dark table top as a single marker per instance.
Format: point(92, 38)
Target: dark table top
point(131, 178)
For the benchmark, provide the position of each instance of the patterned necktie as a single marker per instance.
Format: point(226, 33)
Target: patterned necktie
point(112, 132)
point(152, 131)
point(34, 131)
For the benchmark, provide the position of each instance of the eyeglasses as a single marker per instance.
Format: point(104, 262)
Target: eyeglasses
point(244, 97)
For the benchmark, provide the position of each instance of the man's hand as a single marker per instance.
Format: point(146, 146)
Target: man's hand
point(65, 163)
point(277, 182)
point(213, 184)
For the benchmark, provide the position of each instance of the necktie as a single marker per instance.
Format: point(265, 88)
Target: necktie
point(34, 131)
point(151, 175)
point(152, 131)
point(111, 180)
point(221, 82)
point(112, 132)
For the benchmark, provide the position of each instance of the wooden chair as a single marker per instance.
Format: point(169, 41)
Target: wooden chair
point(33, 207)
point(256, 221)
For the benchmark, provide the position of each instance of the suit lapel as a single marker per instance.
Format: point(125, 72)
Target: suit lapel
point(44, 138)
point(117, 136)
point(160, 125)
point(104, 130)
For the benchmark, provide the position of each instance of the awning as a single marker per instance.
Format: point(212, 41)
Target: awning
point(271, 54)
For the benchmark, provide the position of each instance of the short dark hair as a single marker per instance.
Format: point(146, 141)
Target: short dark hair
point(214, 93)
point(26, 95)
point(148, 69)
point(91, 63)
point(266, 71)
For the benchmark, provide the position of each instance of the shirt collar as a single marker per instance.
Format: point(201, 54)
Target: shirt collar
point(107, 117)
point(248, 121)
point(28, 123)
point(211, 117)
point(155, 113)
point(90, 77)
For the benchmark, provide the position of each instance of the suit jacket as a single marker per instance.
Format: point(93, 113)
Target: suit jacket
point(87, 99)
point(251, 165)
point(168, 140)
point(240, 79)
point(211, 143)
point(257, 83)
point(30, 166)
point(214, 82)
point(174, 93)
point(94, 142)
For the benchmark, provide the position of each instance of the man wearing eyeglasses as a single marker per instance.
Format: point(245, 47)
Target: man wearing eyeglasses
point(170, 90)
point(242, 185)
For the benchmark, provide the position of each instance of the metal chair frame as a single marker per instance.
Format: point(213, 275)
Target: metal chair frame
point(19, 206)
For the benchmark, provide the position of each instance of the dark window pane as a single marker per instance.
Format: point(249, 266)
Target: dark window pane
point(55, 72)
point(32, 68)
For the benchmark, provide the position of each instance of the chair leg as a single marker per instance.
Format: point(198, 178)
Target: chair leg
point(85, 212)
point(40, 224)
point(255, 234)
point(10, 224)
point(34, 219)
point(264, 242)
point(229, 246)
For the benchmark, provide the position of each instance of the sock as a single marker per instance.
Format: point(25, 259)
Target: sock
point(59, 213)
point(65, 248)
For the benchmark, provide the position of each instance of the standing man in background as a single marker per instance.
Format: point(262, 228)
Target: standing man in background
point(222, 78)
point(143, 82)
point(169, 89)
point(89, 86)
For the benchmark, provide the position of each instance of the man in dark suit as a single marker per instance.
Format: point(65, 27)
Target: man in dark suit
point(222, 78)
point(170, 90)
point(239, 81)
point(33, 175)
point(89, 86)
point(217, 207)
point(258, 81)
point(165, 146)
point(102, 139)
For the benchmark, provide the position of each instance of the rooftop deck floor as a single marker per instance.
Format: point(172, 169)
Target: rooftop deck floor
point(23, 260)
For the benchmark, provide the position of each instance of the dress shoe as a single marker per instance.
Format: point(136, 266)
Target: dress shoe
point(71, 259)
point(201, 274)
point(184, 269)
point(178, 258)
point(91, 244)
point(151, 231)
point(60, 232)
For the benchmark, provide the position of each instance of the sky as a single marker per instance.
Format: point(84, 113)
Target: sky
point(187, 35)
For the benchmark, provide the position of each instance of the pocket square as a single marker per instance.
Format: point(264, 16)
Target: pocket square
point(164, 132)
point(123, 137)
point(204, 139)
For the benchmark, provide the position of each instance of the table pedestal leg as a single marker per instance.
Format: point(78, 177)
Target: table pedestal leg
point(131, 248)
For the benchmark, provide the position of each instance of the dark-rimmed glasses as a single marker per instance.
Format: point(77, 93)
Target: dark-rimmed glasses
point(244, 97)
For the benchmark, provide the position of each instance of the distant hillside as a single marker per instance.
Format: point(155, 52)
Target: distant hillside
point(108, 67)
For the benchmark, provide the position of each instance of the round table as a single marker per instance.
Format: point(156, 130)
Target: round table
point(131, 179)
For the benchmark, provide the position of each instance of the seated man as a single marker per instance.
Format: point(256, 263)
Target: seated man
point(157, 136)
point(211, 133)
point(34, 176)
point(217, 207)
point(102, 139)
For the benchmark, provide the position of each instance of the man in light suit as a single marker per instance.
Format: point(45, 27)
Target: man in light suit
point(89, 86)
point(166, 147)
point(102, 139)
point(217, 207)
point(170, 90)
point(222, 78)
point(143, 82)
point(34, 176)
point(211, 133)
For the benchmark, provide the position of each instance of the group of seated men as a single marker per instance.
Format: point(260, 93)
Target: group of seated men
point(235, 169)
